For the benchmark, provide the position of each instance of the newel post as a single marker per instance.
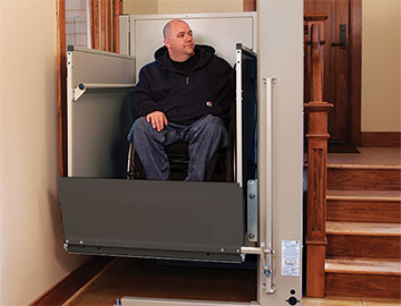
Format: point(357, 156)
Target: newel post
point(317, 136)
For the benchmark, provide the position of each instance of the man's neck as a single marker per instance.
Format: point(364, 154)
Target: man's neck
point(181, 58)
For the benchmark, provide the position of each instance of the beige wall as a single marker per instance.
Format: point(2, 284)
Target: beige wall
point(181, 6)
point(197, 6)
point(381, 65)
point(32, 257)
point(140, 7)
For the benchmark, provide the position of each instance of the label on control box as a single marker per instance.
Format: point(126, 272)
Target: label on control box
point(290, 257)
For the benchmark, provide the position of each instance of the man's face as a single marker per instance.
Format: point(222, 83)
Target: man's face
point(180, 41)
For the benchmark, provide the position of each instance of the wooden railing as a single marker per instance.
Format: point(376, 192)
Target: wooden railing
point(317, 135)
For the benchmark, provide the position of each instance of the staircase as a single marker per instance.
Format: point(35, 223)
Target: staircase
point(363, 225)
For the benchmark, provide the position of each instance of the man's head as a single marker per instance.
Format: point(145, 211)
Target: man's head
point(179, 40)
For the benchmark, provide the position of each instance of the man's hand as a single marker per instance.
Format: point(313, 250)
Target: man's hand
point(158, 120)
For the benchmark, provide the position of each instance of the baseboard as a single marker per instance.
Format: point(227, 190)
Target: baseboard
point(66, 288)
point(381, 139)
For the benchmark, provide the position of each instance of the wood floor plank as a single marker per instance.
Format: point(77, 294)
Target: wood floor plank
point(359, 265)
point(381, 302)
point(73, 282)
point(332, 301)
point(363, 195)
point(363, 229)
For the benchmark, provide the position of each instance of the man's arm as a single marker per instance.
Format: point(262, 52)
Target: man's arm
point(143, 101)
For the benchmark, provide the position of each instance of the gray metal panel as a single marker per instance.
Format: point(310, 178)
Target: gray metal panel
point(164, 216)
point(99, 121)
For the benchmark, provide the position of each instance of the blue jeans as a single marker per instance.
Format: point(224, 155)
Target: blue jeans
point(205, 136)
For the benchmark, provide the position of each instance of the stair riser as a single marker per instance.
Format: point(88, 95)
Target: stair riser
point(363, 246)
point(363, 285)
point(364, 179)
point(364, 211)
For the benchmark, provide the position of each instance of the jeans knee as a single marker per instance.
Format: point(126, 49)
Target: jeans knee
point(144, 132)
point(140, 130)
point(141, 125)
point(215, 124)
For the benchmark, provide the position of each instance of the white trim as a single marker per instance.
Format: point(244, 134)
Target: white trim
point(238, 170)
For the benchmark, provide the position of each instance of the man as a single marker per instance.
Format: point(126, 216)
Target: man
point(182, 96)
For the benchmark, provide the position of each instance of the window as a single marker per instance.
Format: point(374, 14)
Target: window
point(77, 23)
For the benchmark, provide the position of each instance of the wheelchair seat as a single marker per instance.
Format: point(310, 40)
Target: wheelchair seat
point(220, 167)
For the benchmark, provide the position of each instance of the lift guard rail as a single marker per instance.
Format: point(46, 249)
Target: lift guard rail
point(82, 88)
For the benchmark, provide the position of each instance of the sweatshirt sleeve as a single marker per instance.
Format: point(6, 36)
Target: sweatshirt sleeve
point(143, 101)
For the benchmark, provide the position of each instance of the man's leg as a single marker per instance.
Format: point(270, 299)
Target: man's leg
point(150, 146)
point(205, 137)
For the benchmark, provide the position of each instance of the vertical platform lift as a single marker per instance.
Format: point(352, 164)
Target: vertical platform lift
point(93, 197)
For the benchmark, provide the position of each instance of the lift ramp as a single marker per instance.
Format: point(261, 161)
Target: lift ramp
point(200, 221)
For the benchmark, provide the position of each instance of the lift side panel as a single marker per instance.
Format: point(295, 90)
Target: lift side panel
point(99, 121)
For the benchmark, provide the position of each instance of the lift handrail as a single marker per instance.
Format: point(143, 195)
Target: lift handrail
point(270, 82)
point(83, 87)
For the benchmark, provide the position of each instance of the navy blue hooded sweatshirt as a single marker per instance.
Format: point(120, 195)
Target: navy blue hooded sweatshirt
point(208, 88)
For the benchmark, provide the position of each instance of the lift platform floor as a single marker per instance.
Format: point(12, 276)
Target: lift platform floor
point(129, 277)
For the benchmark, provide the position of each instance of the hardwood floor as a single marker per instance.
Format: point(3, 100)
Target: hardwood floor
point(337, 301)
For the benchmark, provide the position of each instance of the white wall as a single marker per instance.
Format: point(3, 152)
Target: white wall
point(381, 65)
point(32, 257)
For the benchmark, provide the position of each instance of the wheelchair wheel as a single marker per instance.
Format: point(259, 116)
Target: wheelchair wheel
point(134, 166)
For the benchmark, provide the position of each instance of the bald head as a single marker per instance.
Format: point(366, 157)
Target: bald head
point(178, 39)
point(167, 27)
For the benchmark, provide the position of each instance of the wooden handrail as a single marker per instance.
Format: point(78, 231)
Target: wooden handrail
point(317, 136)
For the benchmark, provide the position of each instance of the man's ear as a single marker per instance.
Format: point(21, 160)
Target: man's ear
point(166, 42)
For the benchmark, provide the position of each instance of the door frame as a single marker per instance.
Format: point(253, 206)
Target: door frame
point(62, 87)
point(355, 97)
point(356, 70)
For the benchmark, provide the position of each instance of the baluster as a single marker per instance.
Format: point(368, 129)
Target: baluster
point(317, 136)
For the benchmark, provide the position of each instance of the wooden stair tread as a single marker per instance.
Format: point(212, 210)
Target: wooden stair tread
point(368, 156)
point(364, 166)
point(363, 228)
point(358, 265)
point(363, 195)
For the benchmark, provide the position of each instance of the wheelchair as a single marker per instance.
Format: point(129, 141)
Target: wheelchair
point(220, 167)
